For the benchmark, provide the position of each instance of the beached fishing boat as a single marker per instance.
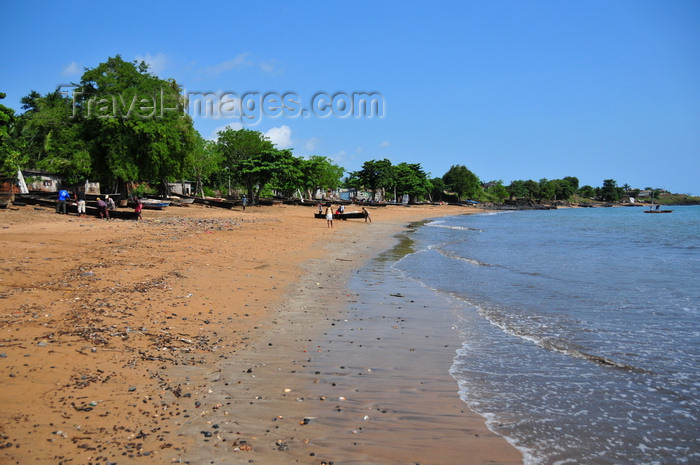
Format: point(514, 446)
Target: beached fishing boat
point(342, 216)
point(6, 199)
point(181, 201)
point(152, 204)
point(220, 203)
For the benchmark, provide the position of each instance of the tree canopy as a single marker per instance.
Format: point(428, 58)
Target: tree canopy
point(375, 175)
point(119, 124)
point(122, 123)
point(610, 192)
point(12, 157)
point(410, 179)
point(319, 173)
point(242, 151)
point(462, 181)
point(135, 122)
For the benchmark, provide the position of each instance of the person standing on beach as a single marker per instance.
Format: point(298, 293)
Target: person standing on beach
point(138, 208)
point(63, 196)
point(244, 201)
point(366, 214)
point(329, 216)
point(80, 195)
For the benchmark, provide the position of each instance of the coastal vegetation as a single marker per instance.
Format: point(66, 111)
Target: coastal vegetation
point(125, 127)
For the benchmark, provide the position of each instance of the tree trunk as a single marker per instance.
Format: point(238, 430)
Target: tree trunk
point(251, 193)
point(257, 194)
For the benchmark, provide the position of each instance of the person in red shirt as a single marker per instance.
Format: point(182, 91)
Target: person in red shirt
point(138, 208)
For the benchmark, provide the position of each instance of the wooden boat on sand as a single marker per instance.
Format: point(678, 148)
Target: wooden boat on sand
point(220, 203)
point(6, 199)
point(155, 204)
point(341, 216)
point(181, 201)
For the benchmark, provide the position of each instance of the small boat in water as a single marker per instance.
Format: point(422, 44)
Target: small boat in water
point(658, 207)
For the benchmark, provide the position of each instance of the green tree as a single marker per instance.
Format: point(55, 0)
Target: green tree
point(518, 190)
point(135, 122)
point(573, 180)
point(587, 191)
point(12, 157)
point(376, 175)
point(497, 192)
point(563, 189)
point(351, 181)
point(202, 161)
point(462, 181)
point(533, 189)
point(319, 173)
point(547, 189)
point(412, 180)
point(244, 154)
point(437, 189)
point(52, 140)
point(610, 192)
point(286, 173)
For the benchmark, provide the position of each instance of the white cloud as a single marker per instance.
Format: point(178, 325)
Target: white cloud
point(311, 144)
point(71, 70)
point(239, 61)
point(215, 133)
point(271, 67)
point(156, 63)
point(280, 136)
point(384, 145)
point(339, 158)
point(359, 149)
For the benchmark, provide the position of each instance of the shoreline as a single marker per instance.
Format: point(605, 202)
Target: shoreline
point(226, 376)
point(389, 397)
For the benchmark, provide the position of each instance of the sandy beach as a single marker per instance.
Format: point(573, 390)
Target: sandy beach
point(209, 336)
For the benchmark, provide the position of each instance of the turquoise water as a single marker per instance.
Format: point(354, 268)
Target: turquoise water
point(581, 341)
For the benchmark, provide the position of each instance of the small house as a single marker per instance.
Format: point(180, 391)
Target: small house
point(40, 181)
point(180, 187)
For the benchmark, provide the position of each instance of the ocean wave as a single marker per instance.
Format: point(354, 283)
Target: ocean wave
point(553, 344)
point(454, 256)
point(436, 224)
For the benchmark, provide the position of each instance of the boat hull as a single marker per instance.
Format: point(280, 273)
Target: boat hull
point(341, 216)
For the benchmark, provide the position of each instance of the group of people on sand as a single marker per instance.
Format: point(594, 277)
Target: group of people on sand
point(340, 211)
point(104, 205)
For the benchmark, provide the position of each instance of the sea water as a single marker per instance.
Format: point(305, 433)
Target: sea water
point(579, 328)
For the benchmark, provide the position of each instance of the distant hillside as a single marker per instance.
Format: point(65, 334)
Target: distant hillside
point(677, 199)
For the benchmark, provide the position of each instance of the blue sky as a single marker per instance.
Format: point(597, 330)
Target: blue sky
point(511, 89)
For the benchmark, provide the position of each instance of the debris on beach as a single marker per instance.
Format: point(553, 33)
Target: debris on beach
point(281, 445)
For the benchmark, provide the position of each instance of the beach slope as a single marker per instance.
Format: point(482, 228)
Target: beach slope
point(202, 335)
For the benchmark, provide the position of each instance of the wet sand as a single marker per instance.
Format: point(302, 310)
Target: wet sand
point(212, 336)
